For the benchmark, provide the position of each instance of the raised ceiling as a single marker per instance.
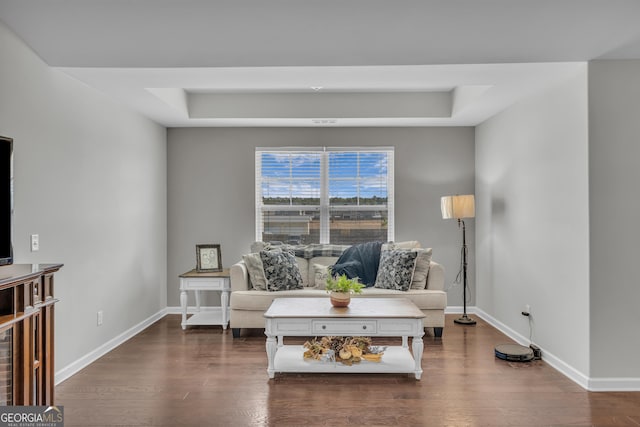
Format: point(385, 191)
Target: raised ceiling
point(323, 63)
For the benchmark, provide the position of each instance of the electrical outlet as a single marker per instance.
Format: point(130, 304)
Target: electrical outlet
point(35, 243)
point(100, 318)
point(526, 310)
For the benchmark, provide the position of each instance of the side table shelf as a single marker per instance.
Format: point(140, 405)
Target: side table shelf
point(210, 281)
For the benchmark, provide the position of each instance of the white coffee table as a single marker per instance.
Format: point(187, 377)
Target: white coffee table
point(372, 317)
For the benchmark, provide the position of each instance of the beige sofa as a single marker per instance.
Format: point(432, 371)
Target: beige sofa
point(248, 305)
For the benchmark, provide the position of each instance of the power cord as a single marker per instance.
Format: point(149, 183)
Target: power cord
point(537, 352)
point(458, 279)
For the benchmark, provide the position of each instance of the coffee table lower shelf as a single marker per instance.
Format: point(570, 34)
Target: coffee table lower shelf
point(396, 359)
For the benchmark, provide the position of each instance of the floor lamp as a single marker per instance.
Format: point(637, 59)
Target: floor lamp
point(459, 207)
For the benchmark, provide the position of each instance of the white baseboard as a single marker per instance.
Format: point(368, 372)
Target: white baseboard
point(555, 362)
point(588, 383)
point(614, 384)
point(91, 357)
point(454, 310)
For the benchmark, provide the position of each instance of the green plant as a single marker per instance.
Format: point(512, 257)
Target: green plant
point(343, 284)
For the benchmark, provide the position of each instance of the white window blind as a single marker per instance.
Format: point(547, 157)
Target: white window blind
point(324, 195)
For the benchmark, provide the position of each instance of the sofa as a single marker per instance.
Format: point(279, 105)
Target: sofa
point(248, 304)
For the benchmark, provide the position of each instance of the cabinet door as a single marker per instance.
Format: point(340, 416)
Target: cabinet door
point(7, 368)
point(24, 365)
point(37, 357)
point(46, 360)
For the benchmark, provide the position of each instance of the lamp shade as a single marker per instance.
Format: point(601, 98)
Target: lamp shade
point(459, 206)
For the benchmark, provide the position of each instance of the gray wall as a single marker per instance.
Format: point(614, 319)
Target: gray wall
point(614, 176)
point(211, 184)
point(90, 179)
point(532, 232)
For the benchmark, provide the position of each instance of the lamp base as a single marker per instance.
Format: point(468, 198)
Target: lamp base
point(464, 320)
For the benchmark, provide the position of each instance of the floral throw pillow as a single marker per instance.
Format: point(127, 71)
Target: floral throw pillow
point(281, 271)
point(396, 269)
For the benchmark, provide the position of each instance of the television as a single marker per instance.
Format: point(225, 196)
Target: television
point(6, 200)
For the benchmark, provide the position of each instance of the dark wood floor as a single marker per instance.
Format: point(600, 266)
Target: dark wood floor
point(203, 377)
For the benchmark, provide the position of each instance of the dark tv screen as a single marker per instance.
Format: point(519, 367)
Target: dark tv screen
point(6, 200)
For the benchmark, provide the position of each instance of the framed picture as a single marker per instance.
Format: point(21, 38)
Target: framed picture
point(208, 258)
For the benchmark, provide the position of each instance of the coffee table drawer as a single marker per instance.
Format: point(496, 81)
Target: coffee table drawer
point(344, 327)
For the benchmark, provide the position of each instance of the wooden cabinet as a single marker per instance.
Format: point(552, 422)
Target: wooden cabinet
point(27, 303)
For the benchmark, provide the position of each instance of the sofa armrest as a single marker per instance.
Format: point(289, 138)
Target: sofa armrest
point(435, 279)
point(239, 277)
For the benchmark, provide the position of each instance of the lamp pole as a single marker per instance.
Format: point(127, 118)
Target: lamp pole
point(464, 320)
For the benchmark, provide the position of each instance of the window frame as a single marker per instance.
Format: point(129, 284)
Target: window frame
point(324, 208)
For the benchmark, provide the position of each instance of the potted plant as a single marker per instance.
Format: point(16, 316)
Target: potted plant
point(340, 289)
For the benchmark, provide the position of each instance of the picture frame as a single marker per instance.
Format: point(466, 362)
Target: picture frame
point(208, 258)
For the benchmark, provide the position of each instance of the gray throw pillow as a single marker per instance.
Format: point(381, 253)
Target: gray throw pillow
point(423, 263)
point(253, 262)
point(396, 269)
point(320, 273)
point(281, 271)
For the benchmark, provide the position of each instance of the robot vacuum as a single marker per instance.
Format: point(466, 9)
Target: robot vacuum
point(514, 353)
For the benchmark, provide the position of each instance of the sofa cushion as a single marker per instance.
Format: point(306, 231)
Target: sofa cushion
point(281, 271)
point(261, 300)
point(396, 269)
point(324, 260)
point(424, 299)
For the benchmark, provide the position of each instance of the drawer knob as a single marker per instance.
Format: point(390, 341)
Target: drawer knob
point(324, 326)
point(364, 326)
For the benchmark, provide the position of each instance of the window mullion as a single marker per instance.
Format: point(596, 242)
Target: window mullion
point(324, 198)
point(390, 197)
point(358, 182)
point(259, 196)
point(290, 179)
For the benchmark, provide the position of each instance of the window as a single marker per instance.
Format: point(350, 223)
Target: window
point(324, 195)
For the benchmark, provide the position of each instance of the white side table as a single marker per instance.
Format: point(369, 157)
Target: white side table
point(213, 281)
